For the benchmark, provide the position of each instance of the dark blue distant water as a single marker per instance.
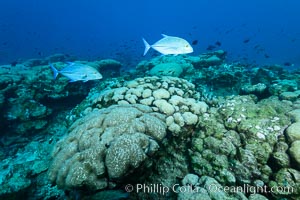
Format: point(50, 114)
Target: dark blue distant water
point(263, 31)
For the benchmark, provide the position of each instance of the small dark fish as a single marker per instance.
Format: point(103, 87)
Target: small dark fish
point(210, 47)
point(218, 43)
point(287, 64)
point(4, 43)
point(260, 49)
point(228, 31)
point(256, 46)
point(246, 40)
point(267, 56)
point(40, 53)
point(195, 42)
point(13, 63)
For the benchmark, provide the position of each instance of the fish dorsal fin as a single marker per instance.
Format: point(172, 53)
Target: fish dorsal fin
point(164, 35)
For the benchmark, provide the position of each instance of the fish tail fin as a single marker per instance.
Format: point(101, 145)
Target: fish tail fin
point(55, 72)
point(147, 46)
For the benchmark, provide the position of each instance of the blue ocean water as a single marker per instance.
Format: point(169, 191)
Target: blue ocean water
point(84, 115)
point(101, 29)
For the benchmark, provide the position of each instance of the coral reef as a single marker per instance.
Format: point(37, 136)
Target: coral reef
point(167, 69)
point(210, 72)
point(28, 98)
point(23, 175)
point(29, 95)
point(180, 66)
point(242, 142)
point(174, 97)
point(197, 121)
point(107, 145)
point(166, 66)
point(194, 187)
point(293, 138)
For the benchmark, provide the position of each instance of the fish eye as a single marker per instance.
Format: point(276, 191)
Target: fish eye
point(187, 46)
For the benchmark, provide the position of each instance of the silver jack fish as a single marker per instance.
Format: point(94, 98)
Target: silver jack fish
point(77, 72)
point(169, 45)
